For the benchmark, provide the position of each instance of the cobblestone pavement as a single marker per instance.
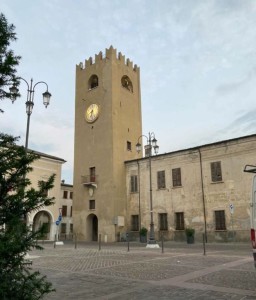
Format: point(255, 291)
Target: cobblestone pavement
point(181, 272)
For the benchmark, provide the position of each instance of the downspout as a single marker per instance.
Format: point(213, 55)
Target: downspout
point(139, 194)
point(203, 198)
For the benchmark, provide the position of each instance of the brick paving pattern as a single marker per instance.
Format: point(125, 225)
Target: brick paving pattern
point(181, 272)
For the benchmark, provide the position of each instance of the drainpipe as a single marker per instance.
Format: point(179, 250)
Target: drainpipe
point(139, 193)
point(202, 186)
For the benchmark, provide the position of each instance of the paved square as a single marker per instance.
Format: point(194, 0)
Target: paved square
point(181, 272)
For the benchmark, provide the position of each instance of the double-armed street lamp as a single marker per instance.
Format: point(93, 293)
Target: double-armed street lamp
point(151, 145)
point(30, 101)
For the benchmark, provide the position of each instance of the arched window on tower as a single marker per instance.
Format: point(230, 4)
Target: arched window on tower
point(126, 83)
point(93, 82)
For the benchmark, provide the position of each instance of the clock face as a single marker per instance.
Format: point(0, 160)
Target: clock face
point(92, 113)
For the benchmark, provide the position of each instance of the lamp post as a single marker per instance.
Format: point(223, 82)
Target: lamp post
point(30, 101)
point(151, 144)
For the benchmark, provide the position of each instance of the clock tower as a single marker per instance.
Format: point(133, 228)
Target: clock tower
point(107, 127)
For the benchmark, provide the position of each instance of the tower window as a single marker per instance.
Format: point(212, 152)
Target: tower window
point(126, 83)
point(129, 146)
point(93, 82)
point(91, 204)
point(92, 174)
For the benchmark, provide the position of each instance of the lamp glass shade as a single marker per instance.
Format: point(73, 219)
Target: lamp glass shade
point(156, 149)
point(29, 107)
point(138, 147)
point(46, 98)
point(154, 141)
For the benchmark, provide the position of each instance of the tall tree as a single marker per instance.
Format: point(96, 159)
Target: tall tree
point(17, 199)
point(8, 60)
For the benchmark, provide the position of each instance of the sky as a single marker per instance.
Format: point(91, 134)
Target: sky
point(197, 61)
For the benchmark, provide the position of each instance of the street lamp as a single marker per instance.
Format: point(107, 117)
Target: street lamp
point(30, 101)
point(151, 144)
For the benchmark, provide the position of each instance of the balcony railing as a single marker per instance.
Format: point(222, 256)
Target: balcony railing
point(90, 180)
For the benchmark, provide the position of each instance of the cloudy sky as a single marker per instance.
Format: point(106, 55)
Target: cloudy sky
point(197, 61)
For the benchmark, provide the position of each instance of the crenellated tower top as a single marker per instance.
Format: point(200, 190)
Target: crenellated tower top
point(110, 54)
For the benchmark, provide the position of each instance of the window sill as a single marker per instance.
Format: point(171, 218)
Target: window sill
point(216, 182)
point(177, 187)
point(161, 189)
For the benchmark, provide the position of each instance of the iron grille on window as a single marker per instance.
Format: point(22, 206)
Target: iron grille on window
point(135, 223)
point(161, 179)
point(134, 184)
point(163, 224)
point(220, 222)
point(176, 177)
point(179, 216)
point(65, 194)
point(216, 171)
point(129, 146)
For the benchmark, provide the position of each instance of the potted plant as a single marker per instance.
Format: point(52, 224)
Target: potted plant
point(143, 234)
point(190, 234)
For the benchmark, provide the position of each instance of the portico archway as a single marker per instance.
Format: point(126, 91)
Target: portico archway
point(43, 218)
point(92, 227)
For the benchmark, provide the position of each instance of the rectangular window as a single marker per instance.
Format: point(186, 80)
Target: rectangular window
point(91, 204)
point(163, 224)
point(135, 223)
point(63, 228)
point(71, 228)
point(71, 195)
point(179, 220)
point(216, 171)
point(134, 184)
point(92, 174)
point(129, 146)
point(65, 194)
point(176, 177)
point(161, 179)
point(64, 210)
point(71, 211)
point(220, 222)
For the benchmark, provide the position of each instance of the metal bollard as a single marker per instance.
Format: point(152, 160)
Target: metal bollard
point(54, 243)
point(75, 241)
point(128, 242)
point(204, 243)
point(99, 241)
point(162, 240)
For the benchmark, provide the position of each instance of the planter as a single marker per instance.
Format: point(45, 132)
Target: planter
point(190, 239)
point(190, 234)
point(143, 238)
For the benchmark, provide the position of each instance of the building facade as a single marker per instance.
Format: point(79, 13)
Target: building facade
point(43, 168)
point(66, 206)
point(107, 127)
point(203, 187)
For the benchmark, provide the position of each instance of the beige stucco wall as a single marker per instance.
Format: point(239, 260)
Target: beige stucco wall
point(103, 144)
point(43, 168)
point(235, 188)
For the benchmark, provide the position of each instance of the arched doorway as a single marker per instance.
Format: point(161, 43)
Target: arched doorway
point(43, 218)
point(92, 227)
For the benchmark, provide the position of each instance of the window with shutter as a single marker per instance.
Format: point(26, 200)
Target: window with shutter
point(64, 210)
point(176, 177)
point(220, 222)
point(161, 179)
point(216, 171)
point(134, 184)
point(163, 224)
point(179, 217)
point(135, 223)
